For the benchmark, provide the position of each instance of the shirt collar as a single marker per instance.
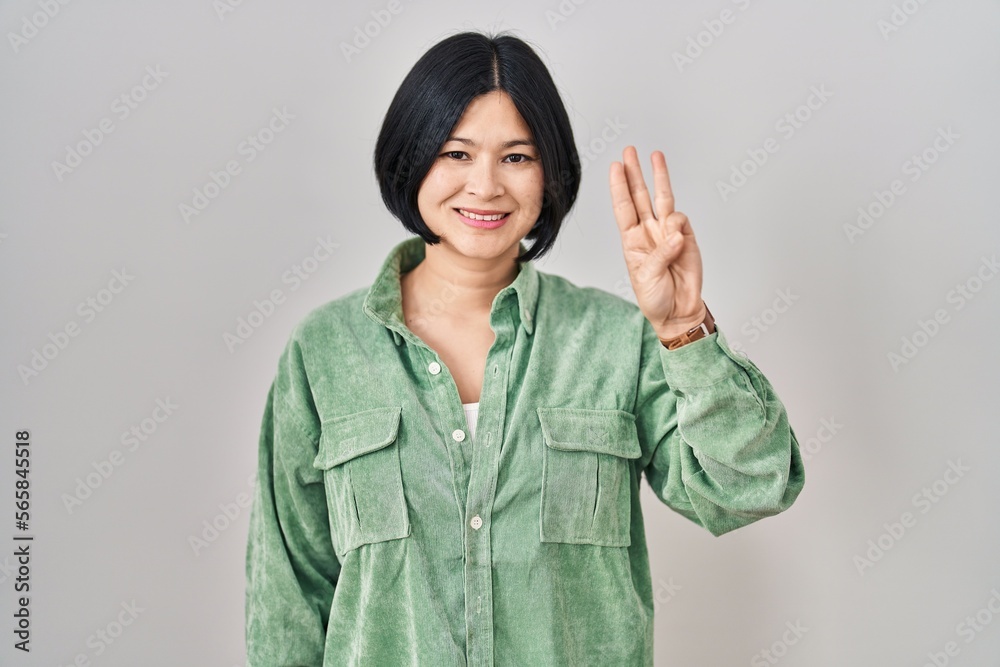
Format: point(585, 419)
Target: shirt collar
point(384, 301)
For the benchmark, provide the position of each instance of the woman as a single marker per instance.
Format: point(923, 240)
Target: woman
point(391, 523)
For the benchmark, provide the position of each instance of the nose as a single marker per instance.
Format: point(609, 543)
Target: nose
point(484, 182)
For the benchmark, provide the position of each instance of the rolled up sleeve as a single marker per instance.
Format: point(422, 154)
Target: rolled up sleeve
point(291, 568)
point(718, 447)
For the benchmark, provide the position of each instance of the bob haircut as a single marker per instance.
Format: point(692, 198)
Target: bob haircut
point(431, 100)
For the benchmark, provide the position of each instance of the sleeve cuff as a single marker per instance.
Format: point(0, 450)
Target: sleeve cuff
point(701, 363)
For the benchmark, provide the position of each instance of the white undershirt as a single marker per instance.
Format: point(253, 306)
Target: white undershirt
point(471, 414)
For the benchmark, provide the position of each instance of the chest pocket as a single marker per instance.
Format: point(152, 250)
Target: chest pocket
point(359, 457)
point(586, 490)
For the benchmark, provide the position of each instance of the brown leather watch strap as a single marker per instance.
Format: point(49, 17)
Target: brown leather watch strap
point(706, 328)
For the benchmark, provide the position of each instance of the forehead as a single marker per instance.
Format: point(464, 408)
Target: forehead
point(492, 114)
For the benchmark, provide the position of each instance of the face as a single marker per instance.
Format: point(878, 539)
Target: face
point(488, 168)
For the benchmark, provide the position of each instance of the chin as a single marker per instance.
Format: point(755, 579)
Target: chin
point(487, 245)
point(481, 248)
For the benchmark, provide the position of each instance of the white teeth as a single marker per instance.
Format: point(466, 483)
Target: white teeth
point(475, 216)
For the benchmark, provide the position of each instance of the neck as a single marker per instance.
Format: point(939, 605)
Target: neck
point(461, 287)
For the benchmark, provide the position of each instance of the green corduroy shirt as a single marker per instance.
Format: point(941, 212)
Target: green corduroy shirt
point(381, 534)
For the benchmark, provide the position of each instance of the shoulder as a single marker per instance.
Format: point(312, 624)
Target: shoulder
point(331, 317)
point(562, 294)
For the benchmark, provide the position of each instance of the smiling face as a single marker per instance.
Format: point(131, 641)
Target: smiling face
point(483, 193)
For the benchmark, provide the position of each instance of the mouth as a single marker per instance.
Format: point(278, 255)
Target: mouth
point(482, 219)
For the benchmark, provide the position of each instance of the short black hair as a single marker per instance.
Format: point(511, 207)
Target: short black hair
point(432, 98)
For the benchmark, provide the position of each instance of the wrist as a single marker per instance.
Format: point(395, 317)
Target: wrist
point(678, 335)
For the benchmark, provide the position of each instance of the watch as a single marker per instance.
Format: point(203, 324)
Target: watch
point(706, 328)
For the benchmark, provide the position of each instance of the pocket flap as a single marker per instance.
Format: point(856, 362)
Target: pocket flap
point(580, 429)
point(347, 437)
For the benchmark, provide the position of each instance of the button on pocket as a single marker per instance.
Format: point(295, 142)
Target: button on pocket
point(359, 457)
point(586, 490)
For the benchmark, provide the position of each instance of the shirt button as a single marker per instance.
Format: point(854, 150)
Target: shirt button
point(458, 435)
point(434, 367)
point(476, 522)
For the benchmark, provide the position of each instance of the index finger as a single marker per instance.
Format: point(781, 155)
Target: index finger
point(621, 198)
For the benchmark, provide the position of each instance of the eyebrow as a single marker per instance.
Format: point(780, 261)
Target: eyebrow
point(504, 145)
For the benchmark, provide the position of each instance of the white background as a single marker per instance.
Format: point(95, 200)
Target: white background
point(854, 297)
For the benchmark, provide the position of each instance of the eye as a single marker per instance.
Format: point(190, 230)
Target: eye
point(513, 158)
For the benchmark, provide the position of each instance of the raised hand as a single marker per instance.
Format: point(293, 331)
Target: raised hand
point(661, 253)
